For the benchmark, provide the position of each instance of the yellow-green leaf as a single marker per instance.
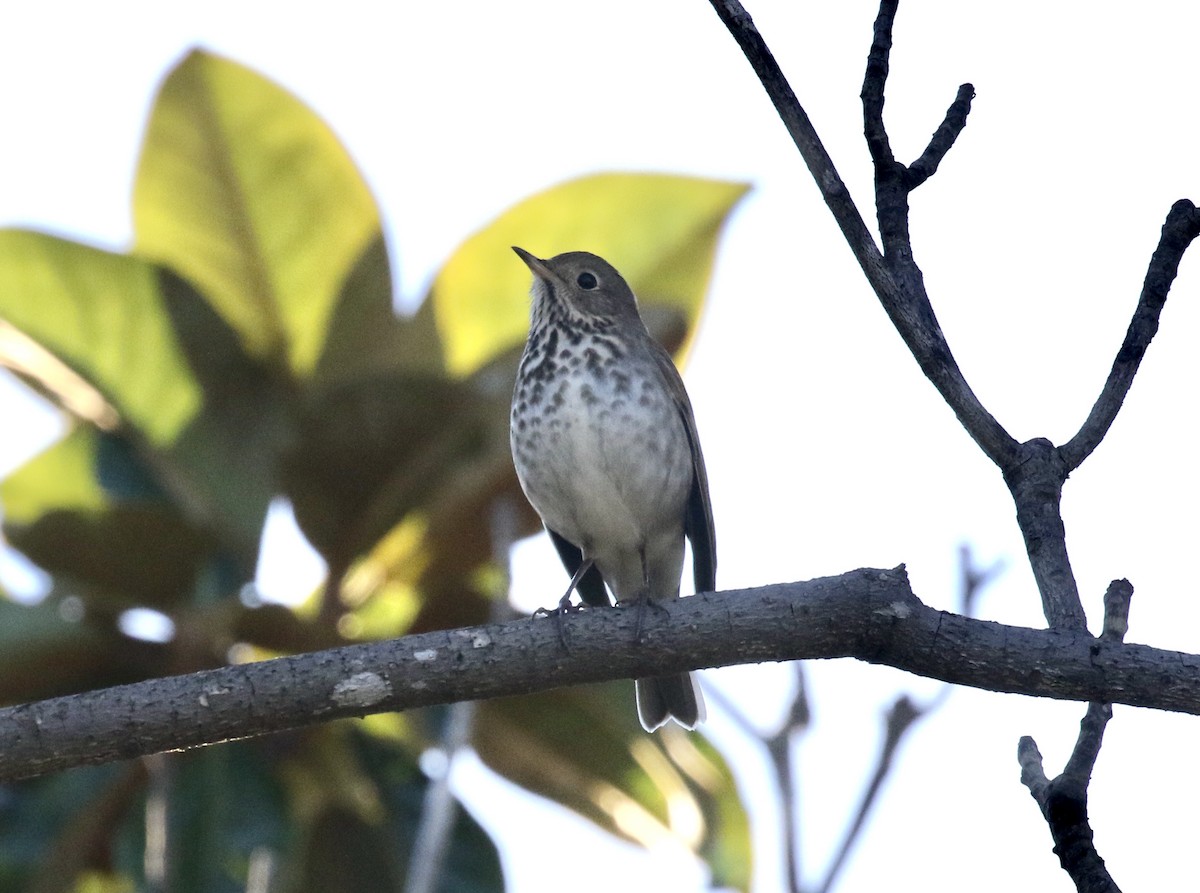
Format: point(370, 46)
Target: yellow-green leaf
point(242, 189)
point(660, 231)
point(101, 314)
point(582, 747)
point(62, 477)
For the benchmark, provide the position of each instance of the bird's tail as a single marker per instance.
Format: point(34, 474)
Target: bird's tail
point(660, 698)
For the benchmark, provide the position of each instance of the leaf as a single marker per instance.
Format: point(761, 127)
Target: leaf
point(372, 450)
point(61, 477)
point(220, 806)
point(224, 466)
point(660, 231)
point(101, 314)
point(471, 865)
point(582, 747)
point(43, 654)
point(54, 827)
point(366, 338)
point(363, 799)
point(245, 192)
point(86, 508)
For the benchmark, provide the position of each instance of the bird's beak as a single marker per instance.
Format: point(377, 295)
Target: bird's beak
point(536, 264)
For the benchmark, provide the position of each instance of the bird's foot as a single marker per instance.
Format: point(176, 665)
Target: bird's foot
point(564, 607)
point(643, 601)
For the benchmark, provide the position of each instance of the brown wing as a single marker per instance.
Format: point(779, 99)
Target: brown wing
point(698, 525)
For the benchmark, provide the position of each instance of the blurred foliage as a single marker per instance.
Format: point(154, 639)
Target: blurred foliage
point(246, 350)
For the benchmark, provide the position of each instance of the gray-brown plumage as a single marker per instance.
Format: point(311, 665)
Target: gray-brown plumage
point(605, 446)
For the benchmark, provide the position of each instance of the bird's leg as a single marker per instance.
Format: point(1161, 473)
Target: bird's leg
point(644, 600)
point(564, 603)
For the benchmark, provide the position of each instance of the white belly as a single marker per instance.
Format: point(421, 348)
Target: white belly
point(610, 481)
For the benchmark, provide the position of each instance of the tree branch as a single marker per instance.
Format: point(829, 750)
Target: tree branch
point(1035, 479)
point(868, 614)
point(900, 717)
point(943, 138)
point(1180, 229)
point(1063, 801)
point(908, 305)
point(896, 280)
point(804, 135)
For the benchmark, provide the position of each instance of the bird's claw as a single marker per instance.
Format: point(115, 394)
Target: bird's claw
point(641, 602)
point(564, 607)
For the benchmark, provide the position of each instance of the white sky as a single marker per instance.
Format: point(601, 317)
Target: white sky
point(1033, 237)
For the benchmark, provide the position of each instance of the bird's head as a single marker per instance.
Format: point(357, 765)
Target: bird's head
point(581, 285)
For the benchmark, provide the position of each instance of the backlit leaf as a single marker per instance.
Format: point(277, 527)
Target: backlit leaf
point(659, 231)
point(245, 192)
point(583, 747)
point(102, 315)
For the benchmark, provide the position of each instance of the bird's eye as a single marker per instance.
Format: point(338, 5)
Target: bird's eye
point(587, 281)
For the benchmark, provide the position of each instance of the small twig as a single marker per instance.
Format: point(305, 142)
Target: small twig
point(1181, 228)
point(1116, 610)
point(1063, 800)
point(974, 578)
point(779, 747)
point(904, 713)
point(878, 67)
point(900, 718)
point(1063, 803)
point(943, 138)
point(158, 849)
point(439, 808)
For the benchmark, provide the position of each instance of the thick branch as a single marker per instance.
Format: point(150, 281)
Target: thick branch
point(1035, 480)
point(868, 614)
point(1181, 228)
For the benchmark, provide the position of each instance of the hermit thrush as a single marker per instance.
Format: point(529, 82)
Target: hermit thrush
point(605, 446)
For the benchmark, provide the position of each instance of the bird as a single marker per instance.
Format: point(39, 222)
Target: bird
point(606, 450)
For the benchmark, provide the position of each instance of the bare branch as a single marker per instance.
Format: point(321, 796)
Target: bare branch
point(974, 578)
point(804, 135)
point(868, 614)
point(900, 718)
point(1035, 480)
point(1116, 610)
point(878, 67)
point(943, 138)
point(1063, 801)
point(779, 747)
point(908, 304)
point(1181, 228)
point(899, 288)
